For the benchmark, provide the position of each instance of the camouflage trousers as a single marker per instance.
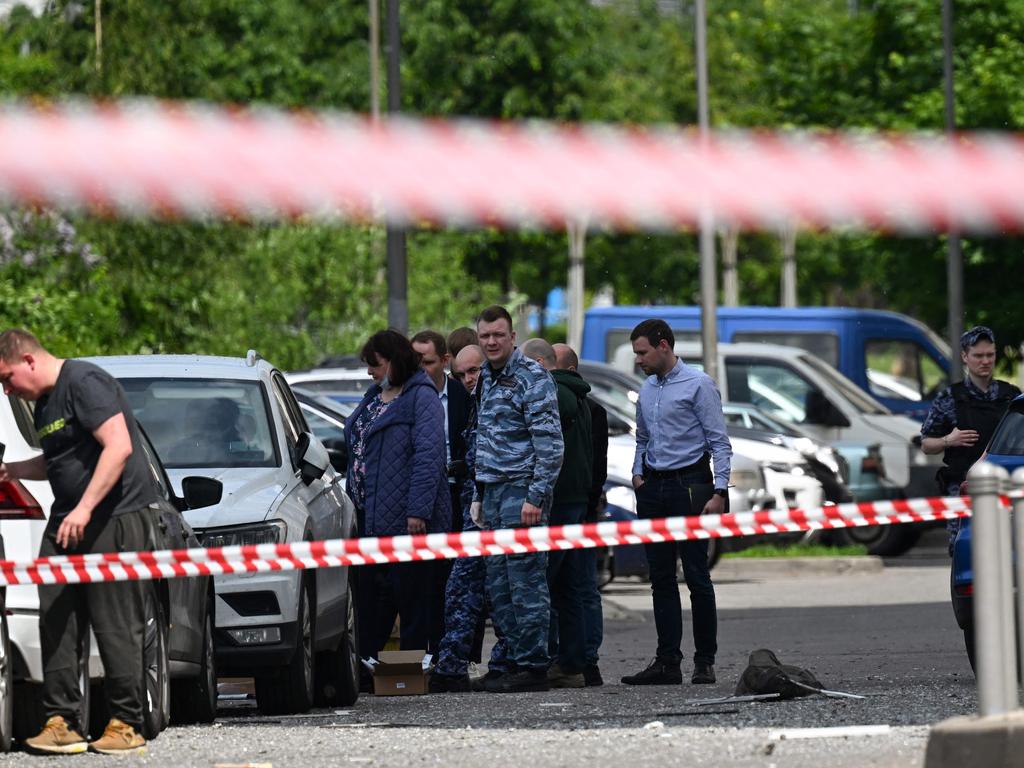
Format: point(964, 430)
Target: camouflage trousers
point(465, 604)
point(517, 584)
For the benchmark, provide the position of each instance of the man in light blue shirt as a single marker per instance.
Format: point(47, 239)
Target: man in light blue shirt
point(680, 429)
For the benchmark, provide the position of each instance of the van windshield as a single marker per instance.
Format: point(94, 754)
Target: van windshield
point(857, 397)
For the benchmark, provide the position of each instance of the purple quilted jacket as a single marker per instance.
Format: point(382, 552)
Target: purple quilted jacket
point(405, 461)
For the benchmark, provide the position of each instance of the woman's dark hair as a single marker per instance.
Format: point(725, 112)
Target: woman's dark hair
point(397, 350)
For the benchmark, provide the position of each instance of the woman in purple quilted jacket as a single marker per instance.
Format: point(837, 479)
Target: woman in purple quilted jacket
point(398, 481)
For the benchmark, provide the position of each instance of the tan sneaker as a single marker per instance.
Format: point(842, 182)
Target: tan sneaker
point(119, 738)
point(56, 738)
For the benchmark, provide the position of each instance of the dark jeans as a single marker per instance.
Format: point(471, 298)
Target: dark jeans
point(114, 610)
point(405, 590)
point(567, 586)
point(682, 494)
point(593, 615)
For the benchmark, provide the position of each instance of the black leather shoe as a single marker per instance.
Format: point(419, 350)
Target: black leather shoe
point(448, 683)
point(592, 676)
point(703, 674)
point(658, 673)
point(523, 681)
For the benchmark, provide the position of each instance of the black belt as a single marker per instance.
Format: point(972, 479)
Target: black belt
point(703, 463)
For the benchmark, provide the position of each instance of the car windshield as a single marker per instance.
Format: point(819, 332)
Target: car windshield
point(857, 397)
point(1009, 437)
point(204, 422)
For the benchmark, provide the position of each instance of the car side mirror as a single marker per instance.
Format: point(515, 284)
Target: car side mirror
point(818, 409)
point(312, 457)
point(199, 492)
point(337, 452)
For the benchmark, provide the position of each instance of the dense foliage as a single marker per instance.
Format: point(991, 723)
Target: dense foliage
point(301, 289)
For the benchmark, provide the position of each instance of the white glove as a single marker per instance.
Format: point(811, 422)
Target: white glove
point(476, 513)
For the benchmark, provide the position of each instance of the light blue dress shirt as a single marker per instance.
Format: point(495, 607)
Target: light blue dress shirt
point(678, 419)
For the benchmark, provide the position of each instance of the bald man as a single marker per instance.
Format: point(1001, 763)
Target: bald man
point(467, 366)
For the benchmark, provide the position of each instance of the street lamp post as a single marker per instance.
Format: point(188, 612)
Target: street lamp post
point(398, 304)
point(708, 277)
point(954, 259)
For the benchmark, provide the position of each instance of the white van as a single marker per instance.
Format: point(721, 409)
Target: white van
point(796, 386)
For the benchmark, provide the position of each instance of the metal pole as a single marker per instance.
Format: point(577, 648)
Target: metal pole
point(955, 258)
point(708, 276)
point(789, 266)
point(993, 601)
point(375, 59)
point(398, 304)
point(577, 233)
point(1017, 481)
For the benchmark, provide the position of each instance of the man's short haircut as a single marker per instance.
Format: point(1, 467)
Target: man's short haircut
point(15, 342)
point(534, 348)
point(566, 357)
point(494, 313)
point(397, 350)
point(655, 331)
point(459, 338)
point(432, 337)
point(976, 334)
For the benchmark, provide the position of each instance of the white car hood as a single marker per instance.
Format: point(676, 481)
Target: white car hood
point(249, 495)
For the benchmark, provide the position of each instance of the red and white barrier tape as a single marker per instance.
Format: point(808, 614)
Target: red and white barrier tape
point(169, 564)
point(141, 158)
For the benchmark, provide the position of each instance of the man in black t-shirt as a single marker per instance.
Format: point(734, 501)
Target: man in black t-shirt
point(102, 495)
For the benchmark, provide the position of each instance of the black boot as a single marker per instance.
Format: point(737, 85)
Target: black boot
point(658, 673)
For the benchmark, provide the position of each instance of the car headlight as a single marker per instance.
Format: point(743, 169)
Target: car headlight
point(746, 479)
point(244, 535)
point(784, 468)
point(621, 496)
point(829, 458)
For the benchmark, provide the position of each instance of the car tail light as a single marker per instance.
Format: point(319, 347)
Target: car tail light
point(964, 590)
point(16, 503)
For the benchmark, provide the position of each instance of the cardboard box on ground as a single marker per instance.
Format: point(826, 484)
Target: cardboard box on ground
point(400, 673)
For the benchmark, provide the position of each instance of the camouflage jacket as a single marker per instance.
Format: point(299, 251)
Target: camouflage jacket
point(519, 436)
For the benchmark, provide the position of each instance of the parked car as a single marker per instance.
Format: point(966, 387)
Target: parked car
point(179, 676)
point(236, 420)
point(1006, 449)
point(346, 385)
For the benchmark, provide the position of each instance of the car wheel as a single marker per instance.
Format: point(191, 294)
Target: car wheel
point(291, 690)
point(338, 670)
point(605, 563)
point(194, 699)
point(6, 687)
point(714, 552)
point(883, 540)
point(156, 673)
point(969, 645)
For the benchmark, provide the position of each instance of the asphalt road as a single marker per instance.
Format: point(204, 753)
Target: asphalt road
point(888, 635)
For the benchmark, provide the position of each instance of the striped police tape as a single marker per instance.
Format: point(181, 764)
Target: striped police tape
point(215, 561)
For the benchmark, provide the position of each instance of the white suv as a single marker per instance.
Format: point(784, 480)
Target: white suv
point(236, 420)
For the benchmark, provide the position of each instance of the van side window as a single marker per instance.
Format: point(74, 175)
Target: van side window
point(822, 345)
point(774, 388)
point(902, 370)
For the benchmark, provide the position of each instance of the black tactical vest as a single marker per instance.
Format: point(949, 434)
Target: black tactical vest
point(980, 415)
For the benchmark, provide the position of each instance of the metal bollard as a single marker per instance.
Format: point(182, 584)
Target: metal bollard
point(1017, 481)
point(993, 592)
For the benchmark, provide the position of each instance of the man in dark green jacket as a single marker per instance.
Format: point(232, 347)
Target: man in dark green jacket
point(566, 578)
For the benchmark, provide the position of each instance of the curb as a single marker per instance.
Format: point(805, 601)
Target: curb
point(741, 568)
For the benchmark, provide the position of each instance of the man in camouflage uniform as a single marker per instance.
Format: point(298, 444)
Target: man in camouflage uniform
point(465, 597)
point(518, 457)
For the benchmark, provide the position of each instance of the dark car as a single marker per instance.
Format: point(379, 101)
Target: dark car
point(1006, 449)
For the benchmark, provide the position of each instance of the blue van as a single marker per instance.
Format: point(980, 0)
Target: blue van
point(896, 359)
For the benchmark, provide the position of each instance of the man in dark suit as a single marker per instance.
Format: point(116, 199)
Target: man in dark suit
point(433, 352)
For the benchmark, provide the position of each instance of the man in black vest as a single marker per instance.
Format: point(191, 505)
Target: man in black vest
point(963, 418)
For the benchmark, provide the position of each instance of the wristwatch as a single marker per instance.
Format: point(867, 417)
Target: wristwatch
point(723, 492)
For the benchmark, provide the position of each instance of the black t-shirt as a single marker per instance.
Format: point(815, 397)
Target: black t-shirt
point(83, 398)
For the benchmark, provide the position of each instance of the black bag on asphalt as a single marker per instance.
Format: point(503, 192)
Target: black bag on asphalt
point(766, 674)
